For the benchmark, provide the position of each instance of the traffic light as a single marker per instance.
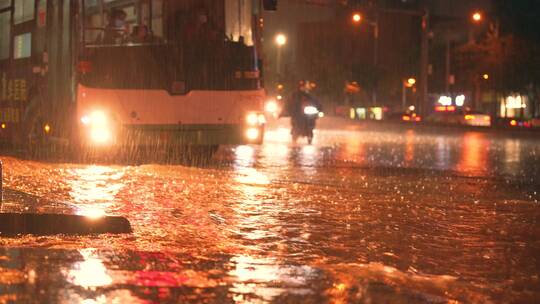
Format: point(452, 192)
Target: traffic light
point(270, 5)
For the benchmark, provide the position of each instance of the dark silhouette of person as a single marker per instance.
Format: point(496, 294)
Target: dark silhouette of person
point(142, 34)
point(201, 44)
point(116, 29)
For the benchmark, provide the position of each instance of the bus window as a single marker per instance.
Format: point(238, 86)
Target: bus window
point(24, 11)
point(99, 15)
point(5, 34)
point(157, 17)
point(239, 20)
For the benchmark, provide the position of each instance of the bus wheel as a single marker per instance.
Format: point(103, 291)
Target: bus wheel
point(198, 155)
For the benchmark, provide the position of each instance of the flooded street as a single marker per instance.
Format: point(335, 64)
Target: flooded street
point(367, 214)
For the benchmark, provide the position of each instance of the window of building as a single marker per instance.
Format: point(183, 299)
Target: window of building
point(24, 10)
point(5, 34)
point(22, 47)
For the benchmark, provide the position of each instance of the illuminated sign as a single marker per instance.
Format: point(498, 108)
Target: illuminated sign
point(13, 89)
point(515, 102)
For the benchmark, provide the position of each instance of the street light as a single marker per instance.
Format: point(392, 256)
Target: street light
point(477, 17)
point(357, 19)
point(407, 83)
point(280, 40)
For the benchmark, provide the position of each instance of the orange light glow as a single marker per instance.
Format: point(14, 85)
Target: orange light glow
point(252, 133)
point(405, 118)
point(281, 39)
point(450, 108)
point(440, 109)
point(474, 154)
point(487, 118)
point(357, 18)
point(485, 76)
point(513, 123)
point(469, 117)
point(477, 17)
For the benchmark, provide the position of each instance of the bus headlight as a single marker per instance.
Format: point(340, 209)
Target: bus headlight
point(99, 128)
point(100, 135)
point(252, 119)
point(252, 133)
point(97, 118)
point(255, 119)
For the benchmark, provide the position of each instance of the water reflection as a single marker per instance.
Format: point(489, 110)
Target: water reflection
point(512, 156)
point(309, 160)
point(94, 188)
point(474, 154)
point(410, 137)
point(353, 150)
point(278, 153)
point(89, 273)
point(442, 153)
point(258, 228)
point(266, 279)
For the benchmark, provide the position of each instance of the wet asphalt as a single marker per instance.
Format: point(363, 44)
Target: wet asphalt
point(370, 213)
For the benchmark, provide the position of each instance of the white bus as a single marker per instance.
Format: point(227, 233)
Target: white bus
point(114, 74)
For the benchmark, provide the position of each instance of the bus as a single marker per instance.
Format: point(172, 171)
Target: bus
point(107, 75)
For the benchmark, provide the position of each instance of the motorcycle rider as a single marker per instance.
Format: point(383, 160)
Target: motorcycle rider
point(302, 124)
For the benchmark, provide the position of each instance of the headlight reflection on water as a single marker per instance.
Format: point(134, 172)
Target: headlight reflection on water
point(89, 273)
point(94, 189)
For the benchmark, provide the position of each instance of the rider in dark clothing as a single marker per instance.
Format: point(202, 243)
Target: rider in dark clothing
point(299, 99)
point(302, 123)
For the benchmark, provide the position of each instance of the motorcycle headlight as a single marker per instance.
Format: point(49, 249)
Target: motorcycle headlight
point(311, 110)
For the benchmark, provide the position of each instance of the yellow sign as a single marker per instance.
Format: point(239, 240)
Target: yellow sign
point(10, 115)
point(13, 89)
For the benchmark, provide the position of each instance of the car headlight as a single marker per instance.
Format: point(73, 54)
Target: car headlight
point(271, 106)
point(311, 110)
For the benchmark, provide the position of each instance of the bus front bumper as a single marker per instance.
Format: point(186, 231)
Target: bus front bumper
point(167, 135)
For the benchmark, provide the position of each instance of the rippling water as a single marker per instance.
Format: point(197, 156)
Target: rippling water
point(371, 216)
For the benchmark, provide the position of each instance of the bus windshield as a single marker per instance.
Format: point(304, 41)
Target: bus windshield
point(121, 22)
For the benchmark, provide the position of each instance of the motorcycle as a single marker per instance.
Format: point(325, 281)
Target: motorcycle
point(304, 124)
